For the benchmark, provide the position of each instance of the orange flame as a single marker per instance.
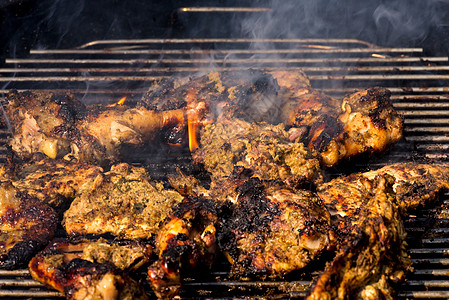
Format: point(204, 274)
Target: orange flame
point(192, 132)
point(121, 101)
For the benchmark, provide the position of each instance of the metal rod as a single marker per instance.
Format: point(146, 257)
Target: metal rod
point(224, 40)
point(247, 61)
point(227, 51)
point(206, 69)
point(224, 9)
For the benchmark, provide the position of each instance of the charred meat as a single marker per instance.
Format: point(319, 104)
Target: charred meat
point(372, 256)
point(274, 230)
point(123, 202)
point(92, 269)
point(26, 226)
point(54, 182)
point(59, 125)
point(415, 185)
point(363, 122)
point(186, 239)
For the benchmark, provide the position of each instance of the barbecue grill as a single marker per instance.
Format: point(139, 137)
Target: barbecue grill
point(104, 71)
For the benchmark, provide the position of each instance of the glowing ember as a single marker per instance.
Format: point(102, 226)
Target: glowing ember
point(378, 55)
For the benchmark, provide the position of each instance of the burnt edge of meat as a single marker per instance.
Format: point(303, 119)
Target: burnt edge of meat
point(382, 97)
point(70, 109)
point(250, 216)
point(35, 237)
point(201, 208)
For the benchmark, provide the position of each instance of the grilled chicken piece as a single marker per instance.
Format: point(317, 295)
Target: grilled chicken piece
point(363, 122)
point(26, 226)
point(372, 256)
point(54, 182)
point(92, 269)
point(34, 115)
point(186, 239)
point(274, 230)
point(250, 95)
point(58, 125)
point(416, 185)
point(122, 202)
point(264, 149)
point(368, 209)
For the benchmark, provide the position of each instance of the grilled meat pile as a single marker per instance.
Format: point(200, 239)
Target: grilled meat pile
point(363, 122)
point(265, 141)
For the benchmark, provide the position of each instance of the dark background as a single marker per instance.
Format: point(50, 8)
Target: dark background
point(60, 24)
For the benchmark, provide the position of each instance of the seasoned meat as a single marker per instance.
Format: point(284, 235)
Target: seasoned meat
point(59, 125)
point(274, 230)
point(416, 185)
point(363, 122)
point(92, 269)
point(186, 239)
point(250, 95)
point(122, 202)
point(34, 115)
point(368, 209)
point(54, 182)
point(372, 256)
point(264, 149)
point(26, 226)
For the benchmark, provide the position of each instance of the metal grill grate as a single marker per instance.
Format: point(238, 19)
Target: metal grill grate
point(105, 71)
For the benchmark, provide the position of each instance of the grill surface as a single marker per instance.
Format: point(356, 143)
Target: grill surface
point(105, 71)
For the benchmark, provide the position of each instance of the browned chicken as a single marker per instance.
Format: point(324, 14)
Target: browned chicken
point(415, 185)
point(186, 239)
point(59, 125)
point(363, 122)
point(368, 209)
point(274, 230)
point(122, 202)
point(92, 269)
point(54, 182)
point(371, 256)
point(26, 226)
point(260, 147)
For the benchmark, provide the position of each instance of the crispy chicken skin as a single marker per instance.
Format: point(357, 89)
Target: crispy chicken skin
point(59, 125)
point(274, 230)
point(371, 256)
point(263, 148)
point(55, 182)
point(122, 202)
point(186, 239)
point(415, 185)
point(363, 122)
point(34, 115)
point(91, 269)
point(26, 226)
